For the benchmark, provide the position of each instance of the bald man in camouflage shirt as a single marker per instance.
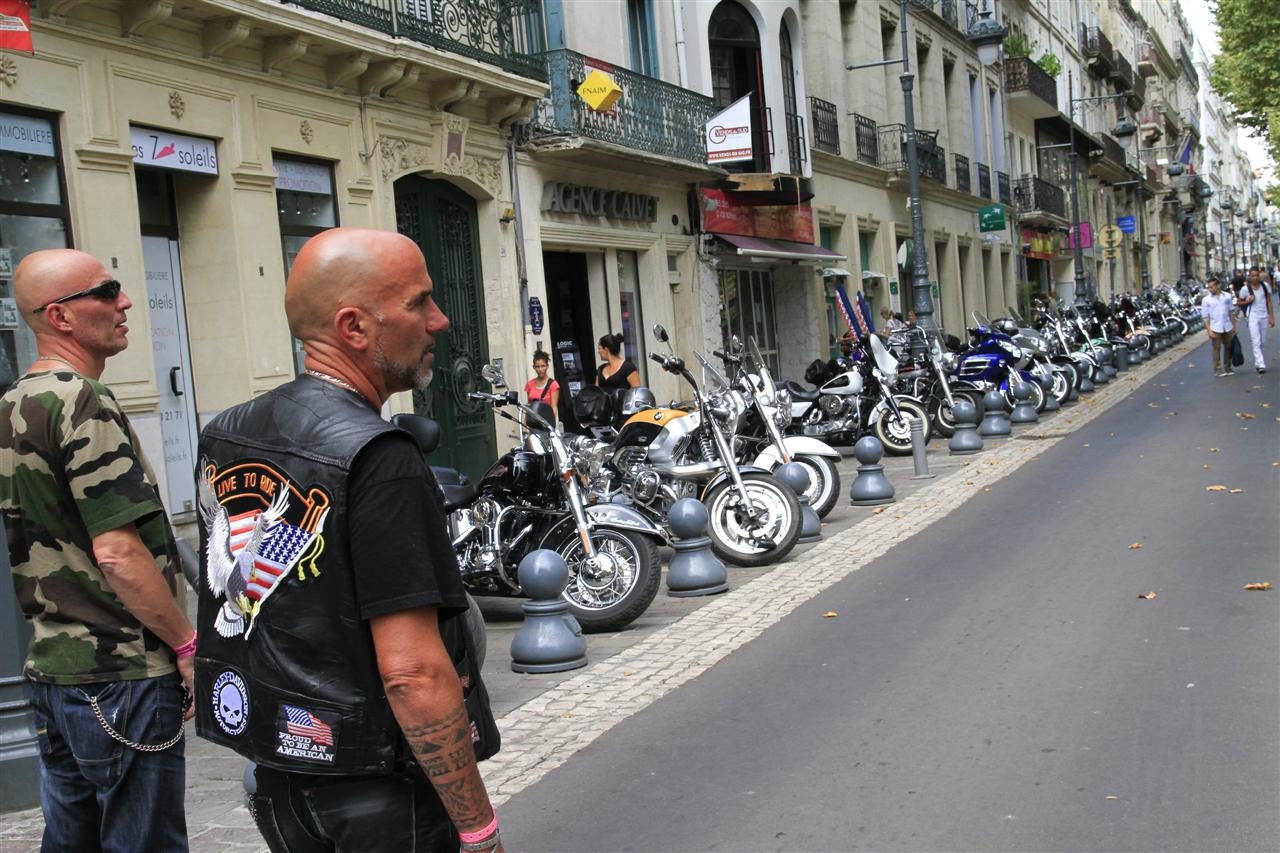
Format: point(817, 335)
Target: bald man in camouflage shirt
point(95, 570)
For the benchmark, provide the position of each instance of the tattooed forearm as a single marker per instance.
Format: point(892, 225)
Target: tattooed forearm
point(444, 751)
point(440, 736)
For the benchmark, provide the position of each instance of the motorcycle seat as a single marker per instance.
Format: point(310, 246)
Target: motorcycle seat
point(458, 489)
point(798, 391)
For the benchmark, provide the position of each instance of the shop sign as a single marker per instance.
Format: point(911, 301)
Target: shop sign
point(177, 151)
point(1037, 245)
point(302, 177)
point(561, 197)
point(26, 135)
point(724, 212)
point(1127, 224)
point(1086, 236)
point(15, 26)
point(600, 91)
point(729, 133)
point(893, 287)
point(1111, 236)
point(991, 218)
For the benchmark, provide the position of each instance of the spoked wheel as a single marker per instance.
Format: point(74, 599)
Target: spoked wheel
point(763, 533)
point(1063, 379)
point(943, 414)
point(894, 431)
point(1037, 395)
point(611, 593)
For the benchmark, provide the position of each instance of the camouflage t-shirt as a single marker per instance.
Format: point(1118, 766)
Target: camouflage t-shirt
point(70, 470)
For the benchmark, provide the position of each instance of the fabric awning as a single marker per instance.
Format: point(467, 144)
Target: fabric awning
point(780, 250)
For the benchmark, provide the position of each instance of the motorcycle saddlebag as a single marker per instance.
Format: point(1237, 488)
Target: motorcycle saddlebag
point(593, 406)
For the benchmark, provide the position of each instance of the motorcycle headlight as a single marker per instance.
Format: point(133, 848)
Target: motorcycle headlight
point(783, 401)
point(484, 511)
point(950, 361)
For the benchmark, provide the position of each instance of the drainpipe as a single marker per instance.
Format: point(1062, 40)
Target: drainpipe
point(682, 59)
point(521, 270)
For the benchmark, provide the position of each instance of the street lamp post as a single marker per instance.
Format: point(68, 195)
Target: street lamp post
point(1227, 204)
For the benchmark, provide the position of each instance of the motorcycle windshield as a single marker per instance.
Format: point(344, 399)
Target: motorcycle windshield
point(981, 320)
point(712, 379)
point(888, 364)
point(760, 366)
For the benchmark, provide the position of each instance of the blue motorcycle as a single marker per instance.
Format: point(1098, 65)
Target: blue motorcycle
point(993, 356)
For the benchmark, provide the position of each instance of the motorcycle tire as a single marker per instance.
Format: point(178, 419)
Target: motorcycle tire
point(614, 601)
point(895, 433)
point(732, 541)
point(824, 482)
point(944, 419)
point(1038, 398)
point(1063, 381)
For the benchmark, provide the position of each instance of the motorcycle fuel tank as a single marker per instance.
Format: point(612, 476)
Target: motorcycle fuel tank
point(659, 431)
point(519, 471)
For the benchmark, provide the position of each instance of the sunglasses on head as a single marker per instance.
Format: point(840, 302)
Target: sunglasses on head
point(107, 290)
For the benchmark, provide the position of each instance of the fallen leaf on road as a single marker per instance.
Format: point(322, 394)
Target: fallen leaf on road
point(1244, 416)
point(1135, 546)
point(830, 614)
point(1112, 797)
point(1153, 405)
point(1084, 445)
point(1147, 595)
point(877, 511)
point(1215, 450)
point(1266, 405)
point(1204, 466)
point(1263, 586)
point(1234, 491)
point(1215, 488)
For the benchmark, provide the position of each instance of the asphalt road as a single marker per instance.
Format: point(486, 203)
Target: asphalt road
point(995, 683)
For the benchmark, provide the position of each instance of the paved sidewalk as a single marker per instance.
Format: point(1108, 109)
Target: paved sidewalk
point(547, 718)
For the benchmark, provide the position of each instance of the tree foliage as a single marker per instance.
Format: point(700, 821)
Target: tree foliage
point(1247, 70)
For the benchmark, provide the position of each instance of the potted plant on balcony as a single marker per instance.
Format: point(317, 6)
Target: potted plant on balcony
point(1050, 64)
point(1017, 44)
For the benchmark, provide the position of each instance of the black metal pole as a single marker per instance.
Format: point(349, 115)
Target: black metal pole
point(1074, 158)
point(19, 752)
point(921, 298)
point(1142, 216)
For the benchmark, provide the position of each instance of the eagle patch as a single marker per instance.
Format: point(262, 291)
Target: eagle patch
point(259, 529)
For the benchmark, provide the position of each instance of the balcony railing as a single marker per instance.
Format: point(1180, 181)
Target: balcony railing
point(964, 174)
point(1188, 64)
point(1003, 193)
point(1191, 120)
point(1137, 96)
point(826, 125)
point(1147, 62)
point(797, 145)
point(984, 180)
point(1023, 75)
point(1031, 194)
point(867, 138)
point(505, 33)
point(1098, 51)
point(950, 12)
point(932, 157)
point(1122, 74)
point(652, 115)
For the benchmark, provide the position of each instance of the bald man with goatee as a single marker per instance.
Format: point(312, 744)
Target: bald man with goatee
point(328, 577)
point(95, 570)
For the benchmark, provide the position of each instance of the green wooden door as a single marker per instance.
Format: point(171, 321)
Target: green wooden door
point(441, 219)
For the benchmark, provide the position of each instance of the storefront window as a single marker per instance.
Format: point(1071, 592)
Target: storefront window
point(33, 216)
point(305, 205)
point(632, 317)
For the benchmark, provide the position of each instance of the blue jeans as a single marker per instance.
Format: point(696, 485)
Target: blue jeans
point(98, 794)
point(396, 813)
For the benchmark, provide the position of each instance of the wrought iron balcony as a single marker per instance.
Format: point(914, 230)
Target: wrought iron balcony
point(1031, 89)
point(984, 180)
point(1191, 120)
point(1031, 196)
point(652, 115)
point(1122, 73)
point(1147, 61)
point(1098, 51)
point(892, 145)
point(826, 125)
point(797, 143)
point(1188, 64)
point(1151, 123)
point(1003, 193)
point(964, 174)
point(950, 12)
point(867, 139)
point(505, 33)
point(1137, 96)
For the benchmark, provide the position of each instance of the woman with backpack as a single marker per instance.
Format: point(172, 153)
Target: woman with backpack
point(1254, 298)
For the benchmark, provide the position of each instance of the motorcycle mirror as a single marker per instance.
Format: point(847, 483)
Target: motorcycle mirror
point(493, 375)
point(735, 345)
point(660, 332)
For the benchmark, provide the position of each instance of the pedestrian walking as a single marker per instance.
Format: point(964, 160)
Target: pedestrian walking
point(1255, 297)
point(542, 388)
point(1218, 310)
point(329, 575)
point(95, 569)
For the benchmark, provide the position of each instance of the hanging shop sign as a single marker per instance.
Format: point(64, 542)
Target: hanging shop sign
point(562, 197)
point(600, 91)
point(177, 151)
point(1086, 236)
point(1127, 224)
point(729, 133)
point(1038, 245)
point(15, 26)
point(991, 218)
point(725, 212)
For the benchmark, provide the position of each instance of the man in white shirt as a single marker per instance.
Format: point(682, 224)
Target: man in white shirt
point(1219, 313)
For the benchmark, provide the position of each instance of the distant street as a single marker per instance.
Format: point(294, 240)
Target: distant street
point(997, 682)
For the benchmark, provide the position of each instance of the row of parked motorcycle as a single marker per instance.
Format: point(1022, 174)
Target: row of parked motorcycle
point(601, 499)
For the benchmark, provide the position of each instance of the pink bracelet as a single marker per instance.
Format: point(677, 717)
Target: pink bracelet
point(472, 837)
point(187, 649)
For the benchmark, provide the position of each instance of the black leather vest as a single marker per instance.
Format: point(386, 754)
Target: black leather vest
point(285, 668)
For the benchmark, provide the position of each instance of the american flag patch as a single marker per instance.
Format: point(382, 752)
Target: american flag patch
point(302, 723)
point(279, 551)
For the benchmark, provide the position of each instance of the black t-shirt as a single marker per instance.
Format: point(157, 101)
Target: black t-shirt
point(617, 379)
point(400, 550)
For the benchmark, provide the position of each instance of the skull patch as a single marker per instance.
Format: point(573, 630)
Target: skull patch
point(230, 703)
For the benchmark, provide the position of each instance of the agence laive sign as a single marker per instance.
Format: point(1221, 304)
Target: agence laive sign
point(561, 197)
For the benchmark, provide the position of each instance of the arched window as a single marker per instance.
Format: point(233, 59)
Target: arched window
point(734, 46)
point(795, 122)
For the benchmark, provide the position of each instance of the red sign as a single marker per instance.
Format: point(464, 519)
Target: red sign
point(15, 26)
point(725, 212)
point(1036, 244)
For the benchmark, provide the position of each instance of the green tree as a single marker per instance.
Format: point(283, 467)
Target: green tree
point(1247, 70)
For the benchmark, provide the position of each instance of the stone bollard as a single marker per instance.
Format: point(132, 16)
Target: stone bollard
point(1108, 362)
point(1122, 356)
point(871, 487)
point(1102, 376)
point(1051, 403)
point(966, 439)
point(919, 459)
point(795, 477)
point(995, 422)
point(546, 642)
point(1137, 352)
point(1086, 384)
point(694, 570)
point(1023, 411)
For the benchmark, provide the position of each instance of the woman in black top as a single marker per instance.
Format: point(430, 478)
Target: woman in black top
point(615, 371)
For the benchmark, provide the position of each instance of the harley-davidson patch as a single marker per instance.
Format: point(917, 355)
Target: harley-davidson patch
point(230, 703)
point(260, 527)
